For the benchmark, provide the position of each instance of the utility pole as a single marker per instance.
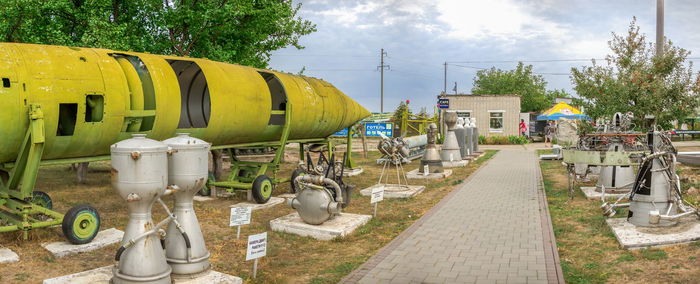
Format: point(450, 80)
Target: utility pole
point(659, 27)
point(444, 88)
point(381, 68)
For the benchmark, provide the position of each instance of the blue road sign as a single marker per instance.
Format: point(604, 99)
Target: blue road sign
point(372, 129)
point(342, 132)
point(444, 103)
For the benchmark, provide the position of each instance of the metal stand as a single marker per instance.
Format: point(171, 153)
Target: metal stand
point(24, 207)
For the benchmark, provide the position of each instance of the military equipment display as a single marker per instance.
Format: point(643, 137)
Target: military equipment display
point(461, 134)
point(320, 192)
point(431, 158)
point(655, 199)
point(68, 104)
point(450, 152)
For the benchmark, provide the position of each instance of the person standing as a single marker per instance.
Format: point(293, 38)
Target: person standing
point(523, 128)
point(548, 133)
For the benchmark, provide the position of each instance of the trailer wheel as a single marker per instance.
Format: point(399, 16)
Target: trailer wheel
point(81, 224)
point(262, 189)
point(347, 193)
point(42, 199)
point(295, 174)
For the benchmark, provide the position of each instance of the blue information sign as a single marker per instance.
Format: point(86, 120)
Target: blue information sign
point(342, 132)
point(372, 129)
point(444, 103)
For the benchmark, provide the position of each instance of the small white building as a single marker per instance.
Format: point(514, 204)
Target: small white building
point(496, 115)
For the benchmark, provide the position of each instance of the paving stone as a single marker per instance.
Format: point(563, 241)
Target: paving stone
point(270, 203)
point(103, 275)
point(489, 231)
point(632, 237)
point(104, 238)
point(338, 226)
point(8, 256)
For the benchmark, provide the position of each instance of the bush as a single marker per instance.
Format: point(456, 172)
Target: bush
point(503, 140)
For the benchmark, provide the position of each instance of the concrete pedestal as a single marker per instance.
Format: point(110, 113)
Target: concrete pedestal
point(632, 237)
point(8, 256)
point(455, 164)
point(395, 191)
point(338, 226)
point(352, 172)
point(104, 238)
point(591, 194)
point(270, 203)
point(102, 275)
point(415, 174)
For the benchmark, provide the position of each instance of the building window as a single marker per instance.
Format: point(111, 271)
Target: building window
point(496, 121)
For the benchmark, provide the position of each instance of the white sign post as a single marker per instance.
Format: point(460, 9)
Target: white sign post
point(257, 248)
point(240, 216)
point(377, 195)
point(426, 170)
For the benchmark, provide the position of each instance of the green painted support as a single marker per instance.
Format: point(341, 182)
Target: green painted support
point(16, 193)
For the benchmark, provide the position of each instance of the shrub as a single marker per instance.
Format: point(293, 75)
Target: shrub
point(503, 140)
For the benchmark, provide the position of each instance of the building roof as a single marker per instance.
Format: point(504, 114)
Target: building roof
point(472, 95)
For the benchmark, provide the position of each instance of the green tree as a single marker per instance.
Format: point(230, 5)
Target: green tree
point(636, 79)
point(237, 31)
point(400, 111)
point(520, 81)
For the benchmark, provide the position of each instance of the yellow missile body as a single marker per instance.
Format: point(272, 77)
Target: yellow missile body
point(92, 98)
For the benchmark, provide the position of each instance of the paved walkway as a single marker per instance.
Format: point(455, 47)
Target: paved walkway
point(493, 229)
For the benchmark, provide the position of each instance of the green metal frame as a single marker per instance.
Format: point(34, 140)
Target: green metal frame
point(243, 173)
point(16, 190)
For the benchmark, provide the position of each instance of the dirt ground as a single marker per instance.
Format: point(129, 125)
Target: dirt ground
point(588, 249)
point(290, 258)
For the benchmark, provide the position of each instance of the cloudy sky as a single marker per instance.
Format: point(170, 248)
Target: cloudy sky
point(420, 35)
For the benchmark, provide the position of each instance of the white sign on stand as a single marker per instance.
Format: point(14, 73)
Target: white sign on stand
point(377, 195)
point(257, 248)
point(426, 170)
point(240, 216)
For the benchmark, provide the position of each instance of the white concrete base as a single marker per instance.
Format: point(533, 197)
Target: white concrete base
point(414, 174)
point(550, 157)
point(8, 256)
point(338, 226)
point(632, 237)
point(287, 195)
point(395, 191)
point(591, 194)
point(352, 172)
point(104, 238)
point(203, 198)
point(102, 275)
point(270, 203)
point(454, 164)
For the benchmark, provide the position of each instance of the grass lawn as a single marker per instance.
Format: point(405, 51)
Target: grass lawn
point(290, 258)
point(588, 249)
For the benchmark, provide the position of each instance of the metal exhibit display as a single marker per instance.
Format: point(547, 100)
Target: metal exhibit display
point(461, 134)
point(655, 200)
point(188, 164)
point(140, 177)
point(393, 148)
point(475, 135)
point(450, 152)
point(431, 159)
point(320, 192)
point(614, 147)
point(144, 170)
point(469, 139)
point(411, 148)
point(64, 105)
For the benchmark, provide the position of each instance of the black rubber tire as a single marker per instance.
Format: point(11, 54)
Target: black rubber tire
point(295, 174)
point(70, 217)
point(42, 198)
point(260, 185)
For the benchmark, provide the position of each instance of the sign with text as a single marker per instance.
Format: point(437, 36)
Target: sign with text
point(444, 103)
point(372, 129)
point(377, 194)
point(257, 246)
point(240, 216)
point(342, 132)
